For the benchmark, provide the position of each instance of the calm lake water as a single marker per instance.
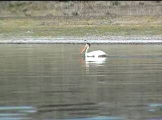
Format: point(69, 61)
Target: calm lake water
point(54, 82)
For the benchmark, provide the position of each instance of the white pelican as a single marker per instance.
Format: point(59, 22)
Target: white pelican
point(97, 53)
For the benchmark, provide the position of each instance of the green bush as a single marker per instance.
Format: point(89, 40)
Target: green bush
point(115, 3)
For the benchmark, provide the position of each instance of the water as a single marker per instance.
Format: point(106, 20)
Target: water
point(54, 82)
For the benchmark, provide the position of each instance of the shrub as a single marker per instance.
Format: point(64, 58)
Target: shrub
point(115, 3)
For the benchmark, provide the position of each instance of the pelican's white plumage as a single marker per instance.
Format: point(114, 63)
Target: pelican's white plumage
point(97, 53)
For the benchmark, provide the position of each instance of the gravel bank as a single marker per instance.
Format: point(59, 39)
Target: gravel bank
point(82, 40)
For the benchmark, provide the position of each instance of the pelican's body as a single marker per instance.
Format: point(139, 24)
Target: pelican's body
point(97, 53)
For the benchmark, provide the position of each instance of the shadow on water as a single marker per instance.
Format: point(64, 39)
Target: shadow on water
point(23, 112)
point(73, 108)
point(80, 109)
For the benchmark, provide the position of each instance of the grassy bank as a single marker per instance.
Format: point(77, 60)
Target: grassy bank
point(79, 27)
point(79, 18)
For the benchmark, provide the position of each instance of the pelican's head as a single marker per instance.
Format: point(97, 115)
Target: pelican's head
point(85, 47)
point(88, 45)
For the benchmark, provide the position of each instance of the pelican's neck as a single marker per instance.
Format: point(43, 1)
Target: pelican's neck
point(86, 51)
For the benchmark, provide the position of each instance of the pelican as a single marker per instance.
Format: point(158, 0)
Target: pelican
point(97, 53)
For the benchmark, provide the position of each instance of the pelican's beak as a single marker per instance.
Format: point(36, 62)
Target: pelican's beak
point(82, 50)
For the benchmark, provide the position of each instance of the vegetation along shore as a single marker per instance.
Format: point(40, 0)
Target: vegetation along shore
point(78, 20)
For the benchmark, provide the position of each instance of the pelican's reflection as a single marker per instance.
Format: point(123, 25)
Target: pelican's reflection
point(93, 61)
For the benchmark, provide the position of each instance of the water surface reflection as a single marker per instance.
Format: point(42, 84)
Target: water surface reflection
point(54, 82)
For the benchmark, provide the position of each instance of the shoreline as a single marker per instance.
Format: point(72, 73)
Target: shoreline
point(83, 40)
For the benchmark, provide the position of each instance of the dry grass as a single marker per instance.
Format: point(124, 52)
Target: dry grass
point(79, 28)
point(80, 8)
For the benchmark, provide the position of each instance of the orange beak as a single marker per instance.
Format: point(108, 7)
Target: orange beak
point(82, 50)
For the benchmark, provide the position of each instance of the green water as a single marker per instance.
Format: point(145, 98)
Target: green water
point(54, 82)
